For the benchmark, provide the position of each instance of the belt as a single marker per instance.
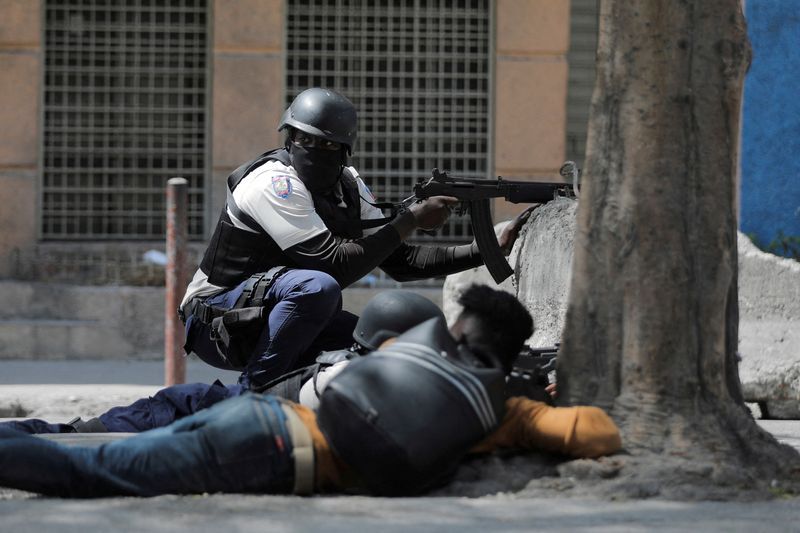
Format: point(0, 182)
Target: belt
point(302, 450)
point(254, 290)
point(203, 312)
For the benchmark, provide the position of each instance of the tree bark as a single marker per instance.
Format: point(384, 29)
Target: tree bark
point(652, 323)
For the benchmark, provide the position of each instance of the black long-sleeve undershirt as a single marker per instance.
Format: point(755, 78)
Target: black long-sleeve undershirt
point(347, 261)
point(409, 262)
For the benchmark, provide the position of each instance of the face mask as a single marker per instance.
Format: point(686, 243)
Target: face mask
point(318, 169)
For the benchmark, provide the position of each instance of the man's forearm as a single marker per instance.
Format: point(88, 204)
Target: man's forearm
point(420, 262)
point(578, 431)
point(350, 260)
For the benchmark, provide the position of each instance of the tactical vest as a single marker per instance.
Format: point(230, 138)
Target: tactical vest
point(235, 254)
point(403, 417)
point(288, 385)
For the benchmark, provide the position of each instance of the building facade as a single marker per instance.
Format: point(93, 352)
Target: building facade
point(102, 101)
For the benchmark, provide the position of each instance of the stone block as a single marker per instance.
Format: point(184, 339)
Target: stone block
point(530, 116)
point(247, 106)
point(54, 321)
point(532, 26)
point(769, 330)
point(50, 321)
point(769, 285)
point(544, 266)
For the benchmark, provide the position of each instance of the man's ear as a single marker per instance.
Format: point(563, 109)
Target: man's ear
point(457, 329)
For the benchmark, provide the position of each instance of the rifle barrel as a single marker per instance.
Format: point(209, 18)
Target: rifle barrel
point(467, 189)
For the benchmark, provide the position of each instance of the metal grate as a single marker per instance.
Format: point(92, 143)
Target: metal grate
point(124, 110)
point(582, 50)
point(418, 71)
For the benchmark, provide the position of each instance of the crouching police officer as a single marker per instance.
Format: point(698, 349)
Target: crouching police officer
point(298, 227)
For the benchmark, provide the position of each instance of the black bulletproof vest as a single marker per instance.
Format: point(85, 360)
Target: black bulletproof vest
point(235, 254)
point(403, 417)
point(288, 385)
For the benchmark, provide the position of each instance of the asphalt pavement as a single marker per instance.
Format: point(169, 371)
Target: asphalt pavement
point(346, 514)
point(61, 389)
point(84, 372)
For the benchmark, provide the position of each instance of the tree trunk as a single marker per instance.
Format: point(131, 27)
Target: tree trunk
point(652, 322)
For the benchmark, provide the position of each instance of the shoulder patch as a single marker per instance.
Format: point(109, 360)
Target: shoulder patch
point(282, 186)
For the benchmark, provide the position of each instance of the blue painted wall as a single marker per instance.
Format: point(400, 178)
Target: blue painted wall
point(770, 194)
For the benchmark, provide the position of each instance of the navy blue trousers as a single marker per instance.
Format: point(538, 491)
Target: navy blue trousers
point(239, 445)
point(163, 408)
point(305, 318)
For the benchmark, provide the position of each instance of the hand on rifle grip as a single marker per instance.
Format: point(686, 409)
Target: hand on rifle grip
point(510, 233)
point(432, 213)
point(552, 390)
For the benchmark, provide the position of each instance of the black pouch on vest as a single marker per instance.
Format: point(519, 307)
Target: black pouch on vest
point(236, 333)
point(403, 417)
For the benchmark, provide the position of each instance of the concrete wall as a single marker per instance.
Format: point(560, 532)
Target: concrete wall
point(66, 322)
point(542, 263)
point(770, 191)
point(769, 330)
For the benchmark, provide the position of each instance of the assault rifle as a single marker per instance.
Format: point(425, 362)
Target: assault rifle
point(475, 195)
point(530, 373)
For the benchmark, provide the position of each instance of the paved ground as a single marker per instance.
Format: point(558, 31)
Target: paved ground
point(67, 389)
point(234, 513)
point(104, 372)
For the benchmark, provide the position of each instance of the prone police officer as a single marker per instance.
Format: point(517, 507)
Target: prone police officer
point(387, 315)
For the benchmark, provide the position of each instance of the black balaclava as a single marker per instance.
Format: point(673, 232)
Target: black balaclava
point(318, 169)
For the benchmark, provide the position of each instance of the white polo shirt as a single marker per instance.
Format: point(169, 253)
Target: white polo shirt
point(275, 197)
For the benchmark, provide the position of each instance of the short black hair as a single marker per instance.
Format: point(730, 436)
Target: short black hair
point(503, 323)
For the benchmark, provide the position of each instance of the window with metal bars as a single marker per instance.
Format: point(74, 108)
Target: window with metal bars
point(125, 104)
point(582, 50)
point(418, 72)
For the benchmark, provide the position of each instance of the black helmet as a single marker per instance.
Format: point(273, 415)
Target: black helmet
point(324, 113)
point(391, 313)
